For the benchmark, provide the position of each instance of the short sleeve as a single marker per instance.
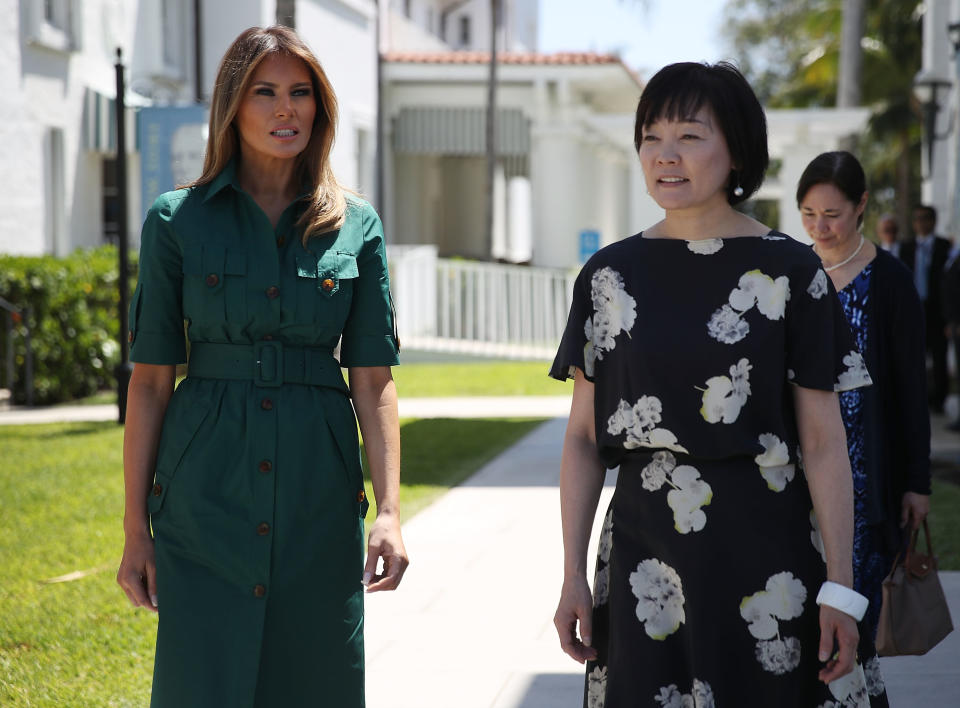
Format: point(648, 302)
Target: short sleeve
point(156, 311)
point(370, 335)
point(573, 345)
point(821, 351)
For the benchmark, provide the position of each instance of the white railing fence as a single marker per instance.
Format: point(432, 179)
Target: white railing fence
point(478, 308)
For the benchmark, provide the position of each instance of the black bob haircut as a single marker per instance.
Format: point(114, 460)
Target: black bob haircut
point(678, 91)
point(840, 169)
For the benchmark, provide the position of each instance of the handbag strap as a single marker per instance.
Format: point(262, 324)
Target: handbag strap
point(914, 538)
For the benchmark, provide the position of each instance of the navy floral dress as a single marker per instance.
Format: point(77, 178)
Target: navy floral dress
point(870, 563)
point(710, 556)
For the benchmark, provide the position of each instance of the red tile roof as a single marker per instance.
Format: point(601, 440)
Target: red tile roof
point(567, 58)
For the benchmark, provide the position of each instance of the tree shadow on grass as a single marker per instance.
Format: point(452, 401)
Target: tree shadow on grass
point(47, 431)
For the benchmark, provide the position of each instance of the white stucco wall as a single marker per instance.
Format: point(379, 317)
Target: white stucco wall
point(45, 90)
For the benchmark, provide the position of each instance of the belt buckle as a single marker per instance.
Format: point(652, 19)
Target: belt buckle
point(268, 363)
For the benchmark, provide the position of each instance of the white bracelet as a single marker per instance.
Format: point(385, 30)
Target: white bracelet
point(842, 598)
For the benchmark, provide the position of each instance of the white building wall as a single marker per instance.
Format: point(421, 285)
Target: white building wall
point(45, 89)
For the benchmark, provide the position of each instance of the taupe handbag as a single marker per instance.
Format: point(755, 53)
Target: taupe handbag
point(914, 616)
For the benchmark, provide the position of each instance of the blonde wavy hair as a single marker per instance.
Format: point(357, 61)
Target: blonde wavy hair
point(327, 202)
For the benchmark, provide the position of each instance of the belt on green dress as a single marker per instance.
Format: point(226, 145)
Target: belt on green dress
point(267, 363)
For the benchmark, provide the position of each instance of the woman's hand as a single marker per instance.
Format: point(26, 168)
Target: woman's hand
point(837, 629)
point(385, 542)
point(576, 605)
point(138, 571)
point(914, 509)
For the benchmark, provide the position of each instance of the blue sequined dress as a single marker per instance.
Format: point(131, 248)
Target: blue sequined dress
point(870, 564)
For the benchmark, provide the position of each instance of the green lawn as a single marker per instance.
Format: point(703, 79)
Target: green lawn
point(945, 523)
point(79, 643)
point(476, 378)
point(494, 378)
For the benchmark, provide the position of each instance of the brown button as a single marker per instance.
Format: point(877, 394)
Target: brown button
point(130, 337)
point(259, 590)
point(213, 279)
point(157, 490)
point(268, 337)
point(361, 496)
point(263, 529)
point(281, 240)
point(265, 466)
point(273, 292)
point(327, 284)
point(266, 404)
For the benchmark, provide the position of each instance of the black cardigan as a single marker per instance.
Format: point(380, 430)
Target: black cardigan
point(895, 417)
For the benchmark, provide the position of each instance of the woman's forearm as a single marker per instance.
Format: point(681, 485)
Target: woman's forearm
point(147, 397)
point(826, 465)
point(375, 401)
point(581, 481)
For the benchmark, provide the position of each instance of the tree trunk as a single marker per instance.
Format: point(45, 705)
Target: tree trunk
point(851, 54)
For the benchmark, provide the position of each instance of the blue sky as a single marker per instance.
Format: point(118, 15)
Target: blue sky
point(667, 31)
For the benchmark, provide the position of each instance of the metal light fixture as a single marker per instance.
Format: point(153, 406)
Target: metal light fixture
point(953, 32)
point(926, 86)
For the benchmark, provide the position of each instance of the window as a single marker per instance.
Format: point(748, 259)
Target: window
point(464, 40)
point(53, 24)
point(172, 34)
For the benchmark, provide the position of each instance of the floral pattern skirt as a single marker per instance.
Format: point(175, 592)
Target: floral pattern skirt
point(704, 595)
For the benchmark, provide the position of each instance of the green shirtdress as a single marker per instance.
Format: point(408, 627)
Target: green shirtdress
point(257, 507)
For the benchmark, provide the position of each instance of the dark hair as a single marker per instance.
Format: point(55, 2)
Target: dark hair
point(678, 91)
point(840, 169)
point(931, 211)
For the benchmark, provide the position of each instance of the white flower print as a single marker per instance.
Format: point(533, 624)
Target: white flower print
point(815, 537)
point(601, 586)
point(688, 492)
point(597, 687)
point(856, 374)
point(778, 656)
point(655, 473)
point(754, 288)
point(726, 325)
point(605, 542)
point(851, 689)
point(614, 312)
point(774, 462)
point(638, 422)
point(659, 592)
point(724, 397)
point(873, 677)
point(769, 237)
point(782, 599)
point(769, 295)
point(818, 286)
point(700, 697)
point(705, 247)
point(791, 374)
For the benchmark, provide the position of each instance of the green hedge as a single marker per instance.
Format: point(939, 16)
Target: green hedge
point(74, 322)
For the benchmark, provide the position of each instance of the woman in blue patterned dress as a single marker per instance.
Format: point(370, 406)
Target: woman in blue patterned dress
point(887, 425)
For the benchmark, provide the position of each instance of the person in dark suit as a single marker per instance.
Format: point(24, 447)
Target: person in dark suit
point(950, 297)
point(926, 256)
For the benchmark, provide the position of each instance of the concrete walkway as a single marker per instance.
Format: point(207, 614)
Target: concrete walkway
point(463, 407)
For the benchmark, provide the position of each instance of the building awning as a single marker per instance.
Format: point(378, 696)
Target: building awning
point(431, 130)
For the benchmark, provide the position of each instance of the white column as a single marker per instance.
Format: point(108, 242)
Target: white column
point(520, 224)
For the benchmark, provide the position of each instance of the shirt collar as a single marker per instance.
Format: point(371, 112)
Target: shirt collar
point(226, 178)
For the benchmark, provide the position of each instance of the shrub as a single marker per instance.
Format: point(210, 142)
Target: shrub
point(74, 321)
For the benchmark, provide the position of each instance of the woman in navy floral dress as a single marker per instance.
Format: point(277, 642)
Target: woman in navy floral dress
point(887, 426)
point(706, 353)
